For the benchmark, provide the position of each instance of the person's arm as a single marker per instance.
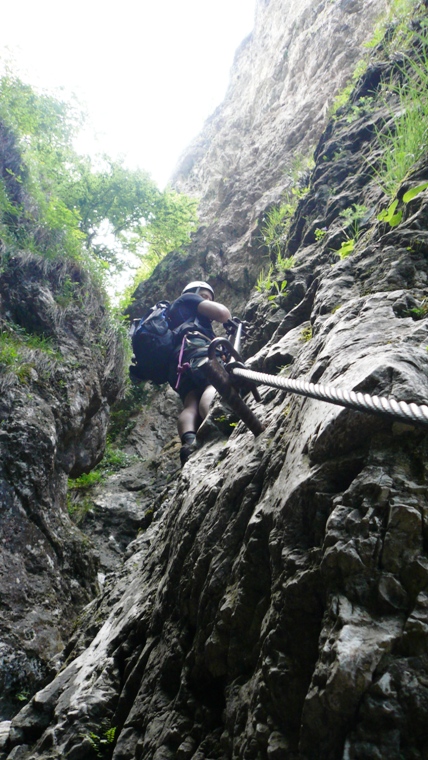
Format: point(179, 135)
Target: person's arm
point(214, 311)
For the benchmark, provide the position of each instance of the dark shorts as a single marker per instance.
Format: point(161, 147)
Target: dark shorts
point(193, 378)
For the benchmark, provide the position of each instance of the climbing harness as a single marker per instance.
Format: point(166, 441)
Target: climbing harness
point(181, 367)
point(225, 380)
point(195, 344)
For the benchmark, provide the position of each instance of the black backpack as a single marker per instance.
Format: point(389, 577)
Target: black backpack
point(153, 343)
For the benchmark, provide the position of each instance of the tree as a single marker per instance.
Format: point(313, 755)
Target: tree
point(105, 210)
point(135, 216)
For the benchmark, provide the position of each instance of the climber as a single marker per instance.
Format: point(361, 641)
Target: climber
point(193, 311)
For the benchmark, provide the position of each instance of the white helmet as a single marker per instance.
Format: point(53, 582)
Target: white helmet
point(195, 287)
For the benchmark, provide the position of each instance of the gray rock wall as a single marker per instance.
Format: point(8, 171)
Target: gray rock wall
point(260, 139)
point(61, 367)
point(276, 606)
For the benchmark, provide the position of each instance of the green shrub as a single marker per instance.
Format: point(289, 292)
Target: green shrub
point(284, 264)
point(420, 312)
point(103, 742)
point(353, 217)
point(404, 139)
point(346, 248)
point(115, 459)
point(22, 352)
point(397, 16)
point(306, 334)
point(276, 224)
point(265, 280)
point(56, 202)
point(320, 233)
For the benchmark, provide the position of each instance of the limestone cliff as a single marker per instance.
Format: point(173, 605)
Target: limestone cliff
point(259, 140)
point(276, 606)
point(60, 370)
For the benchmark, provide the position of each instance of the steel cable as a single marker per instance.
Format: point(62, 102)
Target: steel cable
point(354, 400)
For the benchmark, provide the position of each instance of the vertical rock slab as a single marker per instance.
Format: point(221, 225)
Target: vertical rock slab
point(60, 369)
point(284, 79)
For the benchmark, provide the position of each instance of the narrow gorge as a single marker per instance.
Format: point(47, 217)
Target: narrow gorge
point(270, 599)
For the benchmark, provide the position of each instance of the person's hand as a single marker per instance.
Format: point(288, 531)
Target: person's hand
point(232, 325)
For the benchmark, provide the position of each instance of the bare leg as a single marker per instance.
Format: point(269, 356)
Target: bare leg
point(189, 420)
point(205, 400)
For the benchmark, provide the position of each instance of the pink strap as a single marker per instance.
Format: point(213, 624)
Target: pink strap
point(181, 367)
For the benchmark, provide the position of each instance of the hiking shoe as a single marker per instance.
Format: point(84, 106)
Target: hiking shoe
point(186, 451)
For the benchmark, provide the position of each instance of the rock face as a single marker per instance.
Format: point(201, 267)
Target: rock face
point(258, 142)
point(61, 368)
point(122, 505)
point(276, 606)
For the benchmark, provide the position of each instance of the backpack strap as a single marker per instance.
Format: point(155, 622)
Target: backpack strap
point(181, 367)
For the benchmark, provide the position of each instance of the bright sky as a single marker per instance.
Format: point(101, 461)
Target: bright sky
point(149, 72)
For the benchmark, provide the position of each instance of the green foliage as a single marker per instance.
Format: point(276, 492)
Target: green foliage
point(9, 351)
point(420, 312)
point(266, 284)
point(403, 145)
point(284, 264)
point(23, 696)
point(342, 98)
point(63, 204)
point(404, 140)
point(133, 214)
point(393, 217)
point(103, 743)
point(299, 192)
point(320, 233)
point(78, 506)
point(301, 164)
point(276, 224)
point(280, 289)
point(79, 501)
point(346, 248)
point(353, 216)
point(68, 292)
point(361, 107)
point(43, 128)
point(79, 495)
point(414, 192)
point(264, 280)
point(19, 351)
point(115, 459)
point(170, 229)
point(398, 15)
point(86, 481)
point(390, 215)
point(306, 334)
point(278, 219)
